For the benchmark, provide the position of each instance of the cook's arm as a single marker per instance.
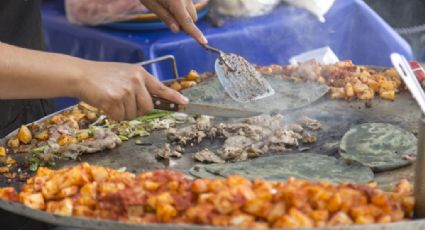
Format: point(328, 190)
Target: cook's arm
point(121, 90)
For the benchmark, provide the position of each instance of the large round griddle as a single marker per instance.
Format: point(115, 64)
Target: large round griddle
point(336, 117)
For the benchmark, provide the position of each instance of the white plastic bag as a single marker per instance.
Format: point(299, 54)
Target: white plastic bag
point(246, 8)
point(96, 12)
point(317, 7)
point(323, 55)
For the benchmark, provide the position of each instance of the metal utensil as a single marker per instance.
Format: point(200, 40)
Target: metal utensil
point(239, 78)
point(403, 68)
point(195, 108)
point(205, 109)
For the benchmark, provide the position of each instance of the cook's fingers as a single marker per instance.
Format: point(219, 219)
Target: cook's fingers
point(130, 107)
point(144, 101)
point(164, 14)
point(115, 111)
point(156, 88)
point(186, 22)
point(192, 10)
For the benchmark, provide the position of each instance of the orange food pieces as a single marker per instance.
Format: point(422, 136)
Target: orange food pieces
point(167, 196)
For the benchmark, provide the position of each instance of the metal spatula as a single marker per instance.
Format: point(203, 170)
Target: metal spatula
point(239, 78)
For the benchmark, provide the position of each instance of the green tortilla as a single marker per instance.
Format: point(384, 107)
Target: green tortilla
point(379, 146)
point(309, 166)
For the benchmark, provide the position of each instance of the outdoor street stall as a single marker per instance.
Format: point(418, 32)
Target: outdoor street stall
point(320, 143)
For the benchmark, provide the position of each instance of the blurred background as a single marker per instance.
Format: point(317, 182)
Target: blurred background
point(407, 17)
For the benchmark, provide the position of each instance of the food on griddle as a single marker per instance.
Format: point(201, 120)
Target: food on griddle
point(299, 165)
point(380, 146)
point(79, 130)
point(243, 139)
point(309, 138)
point(166, 196)
point(166, 152)
point(346, 80)
point(207, 156)
point(190, 80)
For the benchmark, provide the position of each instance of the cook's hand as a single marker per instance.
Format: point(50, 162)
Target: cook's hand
point(177, 14)
point(122, 90)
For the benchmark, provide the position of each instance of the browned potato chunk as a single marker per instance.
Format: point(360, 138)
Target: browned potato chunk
point(176, 86)
point(337, 93)
point(388, 95)
point(349, 91)
point(65, 139)
point(42, 135)
point(91, 115)
point(4, 169)
point(2, 152)
point(193, 76)
point(63, 207)
point(13, 142)
point(187, 84)
point(34, 201)
point(24, 135)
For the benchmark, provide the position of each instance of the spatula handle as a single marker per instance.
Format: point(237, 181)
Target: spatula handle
point(164, 104)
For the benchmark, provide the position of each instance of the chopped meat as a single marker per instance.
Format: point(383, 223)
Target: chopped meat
point(244, 139)
point(179, 148)
point(309, 123)
point(238, 141)
point(163, 153)
point(277, 148)
point(296, 128)
point(165, 123)
point(309, 138)
point(203, 123)
point(233, 153)
point(282, 136)
point(207, 156)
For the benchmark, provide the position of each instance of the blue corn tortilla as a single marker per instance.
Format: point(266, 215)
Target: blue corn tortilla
point(379, 146)
point(309, 166)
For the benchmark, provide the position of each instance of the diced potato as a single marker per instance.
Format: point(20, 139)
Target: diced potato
point(193, 76)
point(388, 95)
point(64, 207)
point(42, 135)
point(165, 212)
point(77, 116)
point(2, 151)
point(176, 86)
point(187, 84)
point(84, 211)
point(9, 161)
point(337, 93)
point(67, 192)
point(50, 188)
point(65, 139)
point(91, 115)
point(349, 91)
point(57, 119)
point(387, 86)
point(34, 201)
point(360, 88)
point(4, 169)
point(366, 95)
point(301, 218)
point(13, 142)
point(276, 211)
point(24, 135)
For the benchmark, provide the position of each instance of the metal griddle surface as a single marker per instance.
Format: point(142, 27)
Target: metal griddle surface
point(336, 116)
